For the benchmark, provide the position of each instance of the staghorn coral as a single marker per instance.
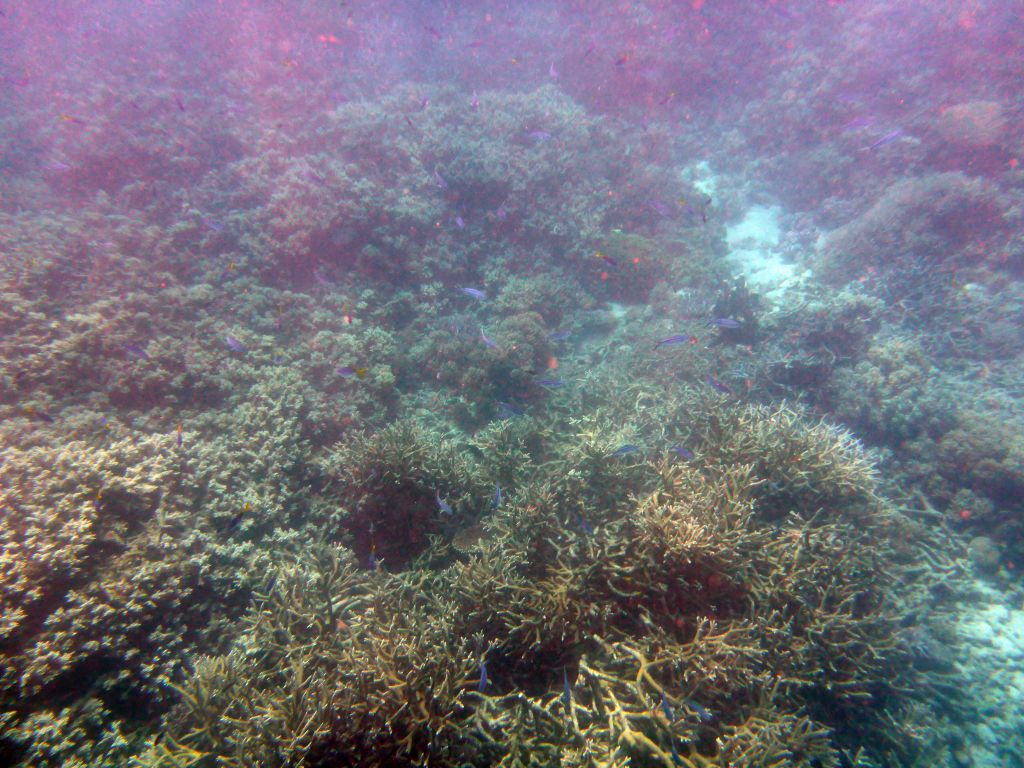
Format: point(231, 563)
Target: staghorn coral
point(373, 677)
point(696, 621)
point(389, 484)
point(97, 600)
point(801, 467)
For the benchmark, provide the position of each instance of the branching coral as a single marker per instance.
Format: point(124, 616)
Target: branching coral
point(391, 486)
point(336, 666)
point(91, 588)
point(684, 626)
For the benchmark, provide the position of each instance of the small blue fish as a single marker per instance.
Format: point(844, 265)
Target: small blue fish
point(476, 293)
point(625, 450)
point(675, 753)
point(658, 207)
point(136, 351)
point(702, 713)
point(858, 123)
point(484, 682)
point(460, 222)
point(488, 342)
point(667, 709)
point(496, 501)
point(559, 335)
point(372, 562)
point(347, 371)
point(725, 322)
point(539, 137)
point(718, 386)
point(566, 691)
point(236, 519)
point(443, 505)
point(234, 344)
point(550, 383)
point(682, 451)
point(586, 527)
point(507, 410)
point(439, 181)
point(679, 338)
point(887, 139)
point(213, 224)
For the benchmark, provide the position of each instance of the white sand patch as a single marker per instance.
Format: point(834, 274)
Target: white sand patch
point(755, 249)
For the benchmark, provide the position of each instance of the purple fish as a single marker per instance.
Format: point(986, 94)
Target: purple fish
point(507, 410)
point(488, 342)
point(890, 137)
point(550, 383)
point(659, 207)
point(539, 137)
point(136, 350)
point(443, 505)
point(500, 213)
point(234, 344)
point(316, 176)
point(460, 222)
point(625, 450)
point(682, 451)
point(438, 181)
point(679, 338)
point(476, 293)
point(858, 123)
point(474, 102)
point(559, 335)
point(586, 527)
point(726, 322)
point(718, 386)
point(39, 413)
point(213, 224)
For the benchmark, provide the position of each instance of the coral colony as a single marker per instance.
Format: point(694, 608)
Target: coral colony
point(529, 384)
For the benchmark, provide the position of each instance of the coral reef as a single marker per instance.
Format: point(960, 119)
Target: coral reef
point(369, 408)
point(95, 596)
point(934, 220)
point(735, 610)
